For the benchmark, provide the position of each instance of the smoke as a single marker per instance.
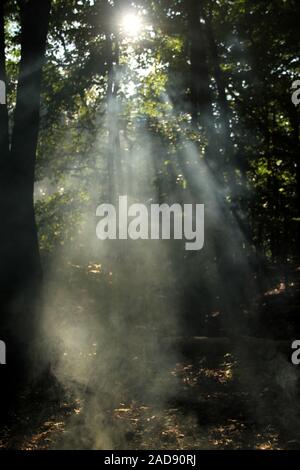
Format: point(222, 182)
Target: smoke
point(114, 310)
point(111, 315)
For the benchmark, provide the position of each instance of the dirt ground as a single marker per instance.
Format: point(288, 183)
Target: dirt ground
point(218, 403)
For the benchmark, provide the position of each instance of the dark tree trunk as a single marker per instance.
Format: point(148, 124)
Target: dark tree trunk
point(201, 99)
point(4, 144)
point(228, 163)
point(20, 268)
point(295, 124)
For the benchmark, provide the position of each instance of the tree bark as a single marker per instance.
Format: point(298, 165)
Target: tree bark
point(201, 98)
point(295, 125)
point(4, 143)
point(20, 267)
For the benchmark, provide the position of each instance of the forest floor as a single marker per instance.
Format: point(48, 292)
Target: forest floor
point(217, 405)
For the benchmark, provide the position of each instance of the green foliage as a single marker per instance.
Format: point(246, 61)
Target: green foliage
point(251, 55)
point(59, 218)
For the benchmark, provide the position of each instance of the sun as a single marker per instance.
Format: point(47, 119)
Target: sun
point(131, 24)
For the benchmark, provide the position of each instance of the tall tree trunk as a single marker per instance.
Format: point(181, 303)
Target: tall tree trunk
point(20, 268)
point(229, 162)
point(295, 125)
point(201, 99)
point(4, 143)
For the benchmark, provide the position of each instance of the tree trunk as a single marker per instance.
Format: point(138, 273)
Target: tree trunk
point(295, 124)
point(201, 99)
point(20, 268)
point(4, 145)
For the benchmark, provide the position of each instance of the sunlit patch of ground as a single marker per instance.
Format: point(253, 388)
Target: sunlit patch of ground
point(195, 374)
